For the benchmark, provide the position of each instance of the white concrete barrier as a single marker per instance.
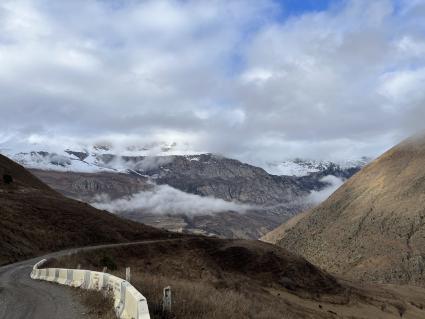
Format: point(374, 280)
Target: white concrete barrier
point(128, 302)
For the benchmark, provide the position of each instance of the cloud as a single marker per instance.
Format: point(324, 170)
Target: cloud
point(164, 199)
point(135, 164)
point(316, 197)
point(151, 162)
point(232, 77)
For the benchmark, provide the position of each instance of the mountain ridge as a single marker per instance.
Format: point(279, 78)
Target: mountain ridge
point(91, 160)
point(272, 199)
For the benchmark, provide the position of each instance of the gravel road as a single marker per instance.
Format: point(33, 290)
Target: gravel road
point(24, 298)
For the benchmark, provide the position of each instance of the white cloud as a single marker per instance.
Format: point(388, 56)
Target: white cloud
point(231, 77)
point(164, 199)
point(316, 197)
point(403, 86)
point(257, 75)
point(412, 47)
point(144, 164)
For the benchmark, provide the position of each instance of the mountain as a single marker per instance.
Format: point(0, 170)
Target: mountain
point(373, 227)
point(265, 200)
point(97, 158)
point(303, 167)
point(260, 201)
point(35, 219)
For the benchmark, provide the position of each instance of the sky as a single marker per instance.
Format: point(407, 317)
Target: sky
point(258, 80)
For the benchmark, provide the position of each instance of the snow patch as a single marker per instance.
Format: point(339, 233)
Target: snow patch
point(301, 167)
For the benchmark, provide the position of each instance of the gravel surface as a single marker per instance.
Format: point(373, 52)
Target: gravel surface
point(22, 297)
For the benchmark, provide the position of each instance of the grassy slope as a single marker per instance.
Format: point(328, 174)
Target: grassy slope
point(373, 227)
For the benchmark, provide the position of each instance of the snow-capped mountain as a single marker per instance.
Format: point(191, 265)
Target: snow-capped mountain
point(101, 158)
point(272, 193)
point(90, 158)
point(304, 167)
point(98, 160)
point(65, 161)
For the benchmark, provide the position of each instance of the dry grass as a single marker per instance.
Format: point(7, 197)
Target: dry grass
point(98, 305)
point(213, 279)
point(210, 278)
point(203, 301)
point(190, 300)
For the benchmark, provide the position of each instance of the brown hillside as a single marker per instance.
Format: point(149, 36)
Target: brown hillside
point(36, 219)
point(373, 227)
point(238, 279)
point(278, 233)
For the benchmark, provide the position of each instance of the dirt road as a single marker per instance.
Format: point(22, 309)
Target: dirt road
point(24, 298)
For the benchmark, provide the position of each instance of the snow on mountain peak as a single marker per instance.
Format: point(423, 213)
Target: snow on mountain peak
point(302, 167)
point(104, 157)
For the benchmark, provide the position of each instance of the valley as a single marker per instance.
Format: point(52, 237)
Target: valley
point(259, 201)
point(226, 159)
point(257, 279)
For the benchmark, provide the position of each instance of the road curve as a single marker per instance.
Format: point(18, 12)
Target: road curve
point(24, 298)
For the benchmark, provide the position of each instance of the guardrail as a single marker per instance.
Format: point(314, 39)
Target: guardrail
point(128, 302)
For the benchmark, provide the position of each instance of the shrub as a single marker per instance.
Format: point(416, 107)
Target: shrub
point(7, 179)
point(99, 306)
point(108, 262)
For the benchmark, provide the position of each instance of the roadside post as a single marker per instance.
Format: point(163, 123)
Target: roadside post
point(166, 302)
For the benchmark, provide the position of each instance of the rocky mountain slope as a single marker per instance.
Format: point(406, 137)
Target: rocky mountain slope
point(86, 186)
point(373, 227)
point(268, 199)
point(35, 219)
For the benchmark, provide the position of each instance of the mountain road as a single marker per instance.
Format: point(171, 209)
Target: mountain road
point(24, 298)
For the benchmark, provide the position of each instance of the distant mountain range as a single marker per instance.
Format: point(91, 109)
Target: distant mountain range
point(96, 158)
point(303, 167)
point(202, 193)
